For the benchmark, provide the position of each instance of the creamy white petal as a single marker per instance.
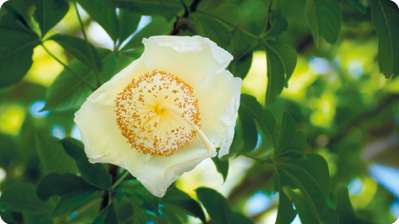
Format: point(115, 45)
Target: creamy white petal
point(187, 57)
point(161, 171)
point(219, 99)
point(107, 93)
point(103, 140)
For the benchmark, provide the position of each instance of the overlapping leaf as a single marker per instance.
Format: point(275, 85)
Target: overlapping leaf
point(324, 18)
point(49, 12)
point(17, 42)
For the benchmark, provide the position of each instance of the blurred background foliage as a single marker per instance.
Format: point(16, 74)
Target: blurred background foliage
point(337, 96)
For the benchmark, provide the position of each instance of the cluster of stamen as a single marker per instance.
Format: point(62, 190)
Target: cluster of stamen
point(158, 113)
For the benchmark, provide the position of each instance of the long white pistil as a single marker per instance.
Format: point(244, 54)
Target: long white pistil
point(209, 146)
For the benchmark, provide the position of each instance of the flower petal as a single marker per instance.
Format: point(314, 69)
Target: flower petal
point(103, 140)
point(161, 171)
point(107, 93)
point(219, 98)
point(187, 57)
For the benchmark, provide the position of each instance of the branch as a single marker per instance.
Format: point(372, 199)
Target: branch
point(113, 170)
point(362, 118)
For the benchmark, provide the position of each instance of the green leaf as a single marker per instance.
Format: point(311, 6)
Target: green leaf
point(278, 24)
point(281, 62)
point(238, 218)
point(213, 28)
point(79, 48)
point(62, 185)
point(95, 174)
point(16, 49)
point(311, 177)
point(176, 199)
point(67, 91)
point(290, 142)
point(324, 18)
point(70, 201)
point(285, 211)
point(216, 205)
point(358, 5)
point(49, 12)
point(107, 216)
point(330, 217)
point(52, 155)
point(134, 187)
point(128, 23)
point(289, 57)
point(385, 15)
point(157, 26)
point(249, 132)
point(345, 209)
point(21, 197)
point(103, 14)
point(263, 117)
point(303, 208)
point(240, 67)
point(222, 166)
point(226, 13)
point(149, 7)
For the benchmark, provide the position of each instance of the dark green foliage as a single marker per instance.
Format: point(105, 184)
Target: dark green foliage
point(222, 166)
point(385, 15)
point(324, 18)
point(62, 185)
point(107, 216)
point(303, 168)
point(49, 149)
point(104, 14)
point(95, 174)
point(177, 200)
point(16, 49)
point(82, 50)
point(49, 12)
point(21, 197)
point(216, 205)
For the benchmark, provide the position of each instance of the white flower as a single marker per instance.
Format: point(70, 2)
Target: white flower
point(165, 112)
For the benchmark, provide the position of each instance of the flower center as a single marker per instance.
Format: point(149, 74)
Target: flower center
point(158, 113)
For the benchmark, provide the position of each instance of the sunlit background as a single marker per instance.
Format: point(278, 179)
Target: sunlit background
point(330, 86)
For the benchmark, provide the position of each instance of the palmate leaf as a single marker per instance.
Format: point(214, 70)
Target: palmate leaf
point(216, 205)
point(311, 177)
point(177, 200)
point(17, 42)
point(107, 216)
point(69, 202)
point(134, 187)
point(345, 209)
point(49, 12)
point(385, 15)
point(52, 155)
point(285, 210)
point(95, 174)
point(324, 18)
point(281, 61)
point(149, 7)
point(67, 91)
point(278, 24)
point(62, 185)
point(21, 197)
point(290, 141)
point(79, 48)
point(103, 14)
point(218, 23)
point(128, 22)
point(157, 26)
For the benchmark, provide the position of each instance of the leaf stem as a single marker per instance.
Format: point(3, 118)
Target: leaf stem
point(67, 68)
point(194, 5)
point(120, 179)
point(96, 72)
